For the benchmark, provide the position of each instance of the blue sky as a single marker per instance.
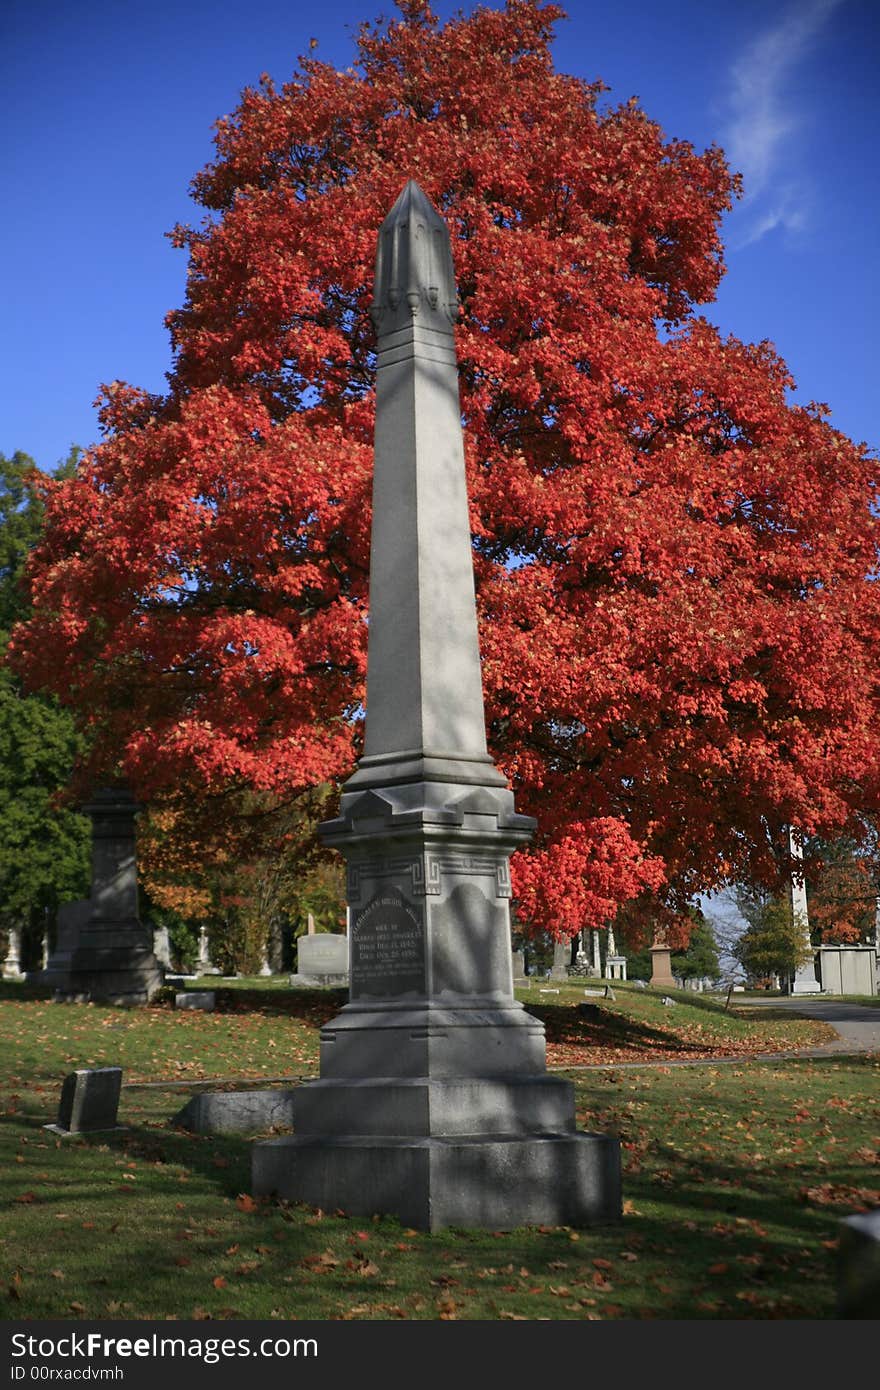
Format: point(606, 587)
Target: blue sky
point(109, 107)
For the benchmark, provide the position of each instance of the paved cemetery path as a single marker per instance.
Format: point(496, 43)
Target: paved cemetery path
point(857, 1025)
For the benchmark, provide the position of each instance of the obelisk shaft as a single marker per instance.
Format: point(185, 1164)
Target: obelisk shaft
point(425, 716)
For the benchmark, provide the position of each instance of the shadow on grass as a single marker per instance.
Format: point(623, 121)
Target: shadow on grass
point(314, 1006)
point(564, 1025)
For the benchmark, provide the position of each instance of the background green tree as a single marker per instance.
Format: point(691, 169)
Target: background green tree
point(44, 847)
point(774, 942)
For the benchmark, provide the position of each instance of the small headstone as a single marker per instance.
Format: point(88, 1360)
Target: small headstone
point(609, 993)
point(858, 1266)
point(322, 959)
point(236, 1112)
point(639, 984)
point(667, 1001)
point(519, 965)
point(89, 1101)
point(195, 999)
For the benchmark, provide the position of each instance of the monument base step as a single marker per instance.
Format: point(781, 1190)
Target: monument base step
point(432, 1107)
point(497, 1183)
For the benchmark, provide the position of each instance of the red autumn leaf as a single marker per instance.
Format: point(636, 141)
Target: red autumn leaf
point(219, 1282)
point(245, 1202)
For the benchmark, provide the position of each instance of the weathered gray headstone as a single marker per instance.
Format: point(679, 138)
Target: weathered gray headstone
point(433, 1103)
point(597, 955)
point(561, 960)
point(204, 999)
point(519, 965)
point(89, 1101)
point(104, 952)
point(322, 958)
point(236, 1112)
point(858, 1266)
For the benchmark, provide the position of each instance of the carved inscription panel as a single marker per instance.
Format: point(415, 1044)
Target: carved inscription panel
point(388, 947)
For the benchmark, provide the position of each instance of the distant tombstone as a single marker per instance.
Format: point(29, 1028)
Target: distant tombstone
point(12, 962)
point(661, 965)
point(322, 959)
point(204, 999)
point(561, 958)
point(89, 1101)
point(519, 965)
point(162, 947)
point(204, 964)
point(104, 952)
point(640, 984)
point(265, 968)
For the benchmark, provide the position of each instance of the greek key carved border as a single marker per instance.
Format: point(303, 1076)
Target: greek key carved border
point(426, 872)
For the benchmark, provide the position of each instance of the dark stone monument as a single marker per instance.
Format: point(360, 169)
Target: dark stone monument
point(104, 953)
point(89, 1101)
point(433, 1103)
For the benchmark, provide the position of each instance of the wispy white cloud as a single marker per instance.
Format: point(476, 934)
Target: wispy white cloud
point(761, 135)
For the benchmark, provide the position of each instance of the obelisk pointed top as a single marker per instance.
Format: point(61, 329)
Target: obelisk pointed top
point(415, 279)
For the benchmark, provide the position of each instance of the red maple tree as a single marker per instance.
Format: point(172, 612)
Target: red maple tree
point(678, 631)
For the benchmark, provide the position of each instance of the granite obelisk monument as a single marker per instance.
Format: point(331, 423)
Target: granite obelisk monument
point(433, 1103)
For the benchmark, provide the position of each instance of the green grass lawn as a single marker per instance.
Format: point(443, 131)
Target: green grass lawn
point(735, 1177)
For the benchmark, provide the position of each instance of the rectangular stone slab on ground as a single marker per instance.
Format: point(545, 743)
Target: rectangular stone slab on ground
point(433, 1103)
point(236, 1112)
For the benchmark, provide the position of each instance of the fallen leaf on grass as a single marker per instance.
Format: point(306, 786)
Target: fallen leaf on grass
point(245, 1202)
point(326, 1260)
point(219, 1282)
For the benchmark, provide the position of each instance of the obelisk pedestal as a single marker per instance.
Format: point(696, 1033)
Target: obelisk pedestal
point(433, 1102)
